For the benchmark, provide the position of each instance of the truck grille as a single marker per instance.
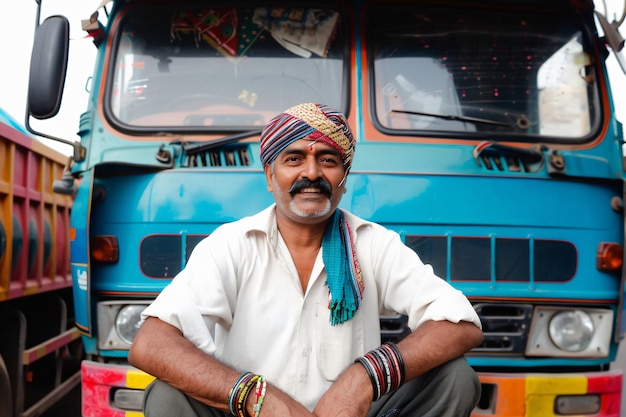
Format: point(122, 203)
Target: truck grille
point(226, 156)
point(505, 327)
point(499, 259)
point(393, 328)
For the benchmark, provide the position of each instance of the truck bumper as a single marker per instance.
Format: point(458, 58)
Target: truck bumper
point(117, 390)
point(550, 395)
point(112, 390)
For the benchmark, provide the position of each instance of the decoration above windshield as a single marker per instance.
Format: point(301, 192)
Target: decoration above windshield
point(226, 67)
point(443, 70)
point(301, 31)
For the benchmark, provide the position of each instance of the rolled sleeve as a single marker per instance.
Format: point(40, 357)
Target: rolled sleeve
point(197, 298)
point(410, 287)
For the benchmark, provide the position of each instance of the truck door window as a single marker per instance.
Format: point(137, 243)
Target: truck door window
point(448, 70)
point(224, 68)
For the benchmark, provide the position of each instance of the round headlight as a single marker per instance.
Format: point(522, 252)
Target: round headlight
point(127, 322)
point(571, 330)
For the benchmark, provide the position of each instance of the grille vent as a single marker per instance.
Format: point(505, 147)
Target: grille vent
point(501, 259)
point(497, 157)
point(499, 163)
point(505, 327)
point(393, 328)
point(227, 156)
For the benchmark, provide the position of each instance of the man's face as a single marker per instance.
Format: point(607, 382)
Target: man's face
point(306, 181)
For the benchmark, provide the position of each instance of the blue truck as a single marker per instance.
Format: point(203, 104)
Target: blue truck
point(487, 139)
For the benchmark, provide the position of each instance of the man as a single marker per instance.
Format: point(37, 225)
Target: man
point(277, 314)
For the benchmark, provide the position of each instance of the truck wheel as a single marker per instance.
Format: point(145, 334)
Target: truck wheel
point(6, 397)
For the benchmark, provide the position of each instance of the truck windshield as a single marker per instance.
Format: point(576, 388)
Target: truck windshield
point(223, 68)
point(525, 77)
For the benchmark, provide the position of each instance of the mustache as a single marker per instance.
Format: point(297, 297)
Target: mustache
point(303, 183)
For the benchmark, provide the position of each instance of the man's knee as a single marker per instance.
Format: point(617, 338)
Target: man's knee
point(161, 400)
point(157, 394)
point(450, 390)
point(459, 378)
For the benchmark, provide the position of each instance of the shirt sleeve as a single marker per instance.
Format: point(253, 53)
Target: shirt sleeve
point(201, 296)
point(408, 286)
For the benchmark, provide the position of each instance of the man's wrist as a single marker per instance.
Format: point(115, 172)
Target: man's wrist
point(248, 383)
point(385, 369)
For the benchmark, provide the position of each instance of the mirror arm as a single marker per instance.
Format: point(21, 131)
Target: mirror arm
point(621, 19)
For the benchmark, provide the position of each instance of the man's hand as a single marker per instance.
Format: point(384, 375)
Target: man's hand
point(350, 396)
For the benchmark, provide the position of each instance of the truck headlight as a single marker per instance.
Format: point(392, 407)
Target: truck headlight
point(127, 322)
point(118, 323)
point(569, 332)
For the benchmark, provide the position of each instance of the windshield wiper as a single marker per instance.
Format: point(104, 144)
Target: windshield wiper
point(454, 117)
point(191, 149)
point(165, 156)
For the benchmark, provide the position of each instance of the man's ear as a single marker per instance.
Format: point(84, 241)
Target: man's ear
point(268, 177)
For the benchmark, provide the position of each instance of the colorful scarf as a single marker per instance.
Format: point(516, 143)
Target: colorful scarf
point(343, 273)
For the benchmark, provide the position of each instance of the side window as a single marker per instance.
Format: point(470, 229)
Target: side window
point(409, 86)
point(482, 72)
point(563, 99)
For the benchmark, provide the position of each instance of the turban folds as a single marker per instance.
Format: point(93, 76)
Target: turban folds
point(317, 122)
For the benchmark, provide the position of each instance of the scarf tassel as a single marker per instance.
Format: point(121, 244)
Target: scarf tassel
point(343, 274)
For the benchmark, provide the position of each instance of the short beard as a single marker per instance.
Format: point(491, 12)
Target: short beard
point(310, 215)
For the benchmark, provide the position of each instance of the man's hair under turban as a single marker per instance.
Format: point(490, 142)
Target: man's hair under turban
point(317, 122)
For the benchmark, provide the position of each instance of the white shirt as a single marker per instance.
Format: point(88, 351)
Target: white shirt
point(239, 298)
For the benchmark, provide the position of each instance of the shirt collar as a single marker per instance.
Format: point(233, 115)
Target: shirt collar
point(265, 222)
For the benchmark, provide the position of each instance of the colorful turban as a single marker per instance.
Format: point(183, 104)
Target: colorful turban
point(316, 122)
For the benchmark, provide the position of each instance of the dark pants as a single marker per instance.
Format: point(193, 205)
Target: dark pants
point(451, 390)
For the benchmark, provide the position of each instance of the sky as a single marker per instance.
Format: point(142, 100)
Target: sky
point(17, 24)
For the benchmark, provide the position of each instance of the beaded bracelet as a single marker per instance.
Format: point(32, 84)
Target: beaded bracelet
point(238, 395)
point(385, 368)
point(261, 386)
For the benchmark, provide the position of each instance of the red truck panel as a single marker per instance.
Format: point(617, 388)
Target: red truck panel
point(34, 222)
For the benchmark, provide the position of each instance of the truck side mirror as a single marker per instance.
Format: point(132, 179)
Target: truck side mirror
point(48, 67)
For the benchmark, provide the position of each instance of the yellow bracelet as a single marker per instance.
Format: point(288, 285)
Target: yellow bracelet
point(261, 386)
